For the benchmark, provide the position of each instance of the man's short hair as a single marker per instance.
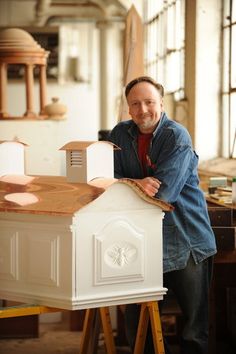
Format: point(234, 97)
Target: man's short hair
point(151, 81)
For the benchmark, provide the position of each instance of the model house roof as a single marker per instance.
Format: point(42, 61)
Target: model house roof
point(12, 141)
point(83, 145)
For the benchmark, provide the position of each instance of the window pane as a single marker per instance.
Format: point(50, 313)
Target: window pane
point(153, 8)
point(228, 127)
point(233, 57)
point(160, 71)
point(170, 27)
point(160, 37)
point(182, 65)
point(226, 60)
point(226, 12)
point(179, 27)
point(233, 119)
point(233, 10)
point(173, 74)
point(165, 42)
point(225, 126)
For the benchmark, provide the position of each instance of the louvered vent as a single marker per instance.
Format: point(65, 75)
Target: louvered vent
point(76, 159)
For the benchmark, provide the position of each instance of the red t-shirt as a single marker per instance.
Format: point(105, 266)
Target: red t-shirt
point(143, 150)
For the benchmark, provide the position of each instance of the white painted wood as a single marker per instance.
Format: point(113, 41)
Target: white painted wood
point(108, 253)
point(12, 158)
point(86, 161)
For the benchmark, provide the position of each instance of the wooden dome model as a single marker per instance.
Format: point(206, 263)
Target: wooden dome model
point(19, 47)
point(16, 39)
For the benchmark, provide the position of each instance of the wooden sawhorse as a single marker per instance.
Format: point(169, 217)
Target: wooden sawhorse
point(149, 310)
point(25, 310)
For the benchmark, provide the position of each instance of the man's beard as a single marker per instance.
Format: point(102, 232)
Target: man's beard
point(146, 124)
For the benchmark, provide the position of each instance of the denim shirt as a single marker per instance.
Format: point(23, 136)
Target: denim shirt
point(186, 230)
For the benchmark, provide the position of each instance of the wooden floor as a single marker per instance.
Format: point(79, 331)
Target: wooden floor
point(54, 339)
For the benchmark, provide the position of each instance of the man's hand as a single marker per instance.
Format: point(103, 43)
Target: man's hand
point(150, 185)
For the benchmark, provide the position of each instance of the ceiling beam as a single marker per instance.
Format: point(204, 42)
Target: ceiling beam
point(47, 11)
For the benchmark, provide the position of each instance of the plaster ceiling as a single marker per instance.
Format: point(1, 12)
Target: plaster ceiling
point(49, 11)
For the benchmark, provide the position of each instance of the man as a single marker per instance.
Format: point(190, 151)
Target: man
point(157, 152)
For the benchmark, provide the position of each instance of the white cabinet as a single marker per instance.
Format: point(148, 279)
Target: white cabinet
point(109, 252)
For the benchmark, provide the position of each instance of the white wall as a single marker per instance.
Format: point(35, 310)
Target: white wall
point(82, 100)
point(46, 137)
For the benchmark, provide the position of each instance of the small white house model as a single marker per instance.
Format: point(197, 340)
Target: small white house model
point(12, 171)
point(12, 158)
point(86, 160)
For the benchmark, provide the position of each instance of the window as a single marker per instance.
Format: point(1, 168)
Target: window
point(229, 79)
point(164, 43)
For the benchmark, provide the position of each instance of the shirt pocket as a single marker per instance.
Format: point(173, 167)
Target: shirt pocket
point(170, 242)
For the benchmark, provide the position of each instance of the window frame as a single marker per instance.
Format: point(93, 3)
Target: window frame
point(228, 94)
point(164, 28)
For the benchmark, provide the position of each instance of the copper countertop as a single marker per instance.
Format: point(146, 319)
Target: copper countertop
point(56, 196)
